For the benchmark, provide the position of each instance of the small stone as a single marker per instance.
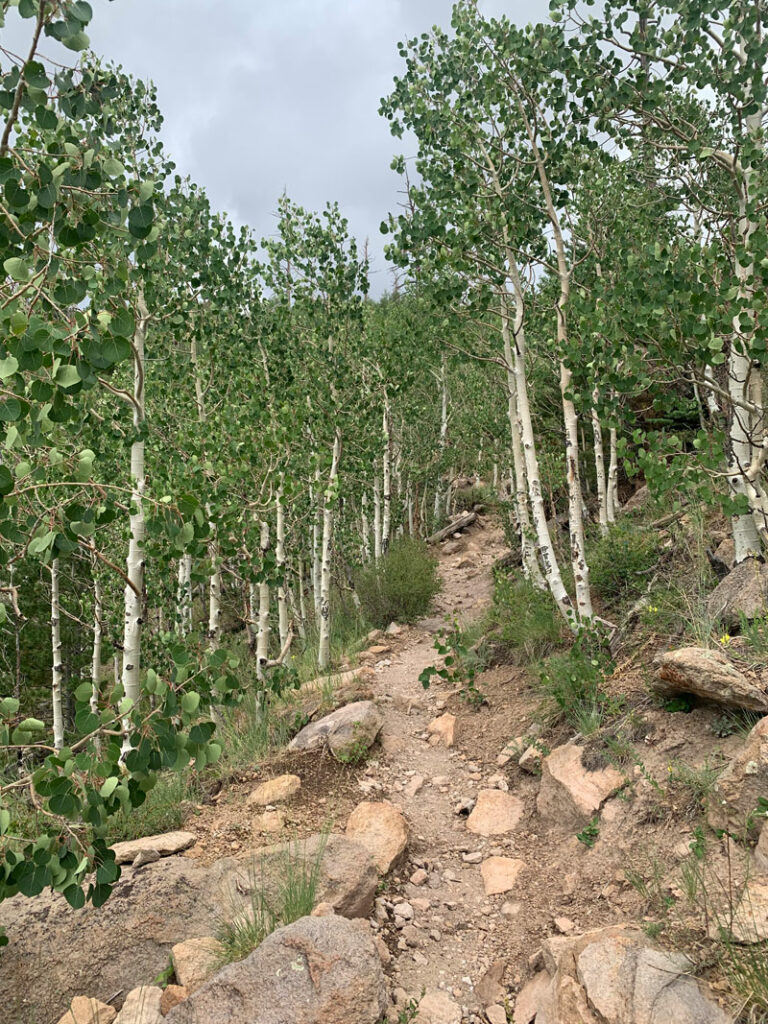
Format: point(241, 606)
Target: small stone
point(383, 950)
point(441, 782)
point(437, 1007)
point(141, 1006)
point(195, 961)
point(379, 649)
point(405, 911)
point(144, 857)
point(420, 905)
point(511, 909)
point(419, 877)
point(495, 813)
point(275, 791)
point(564, 925)
point(472, 858)
point(465, 806)
point(498, 782)
point(496, 1014)
point(530, 760)
point(83, 1010)
point(172, 996)
point(382, 829)
point(412, 936)
point(323, 910)
point(414, 785)
point(442, 730)
point(500, 874)
point(270, 821)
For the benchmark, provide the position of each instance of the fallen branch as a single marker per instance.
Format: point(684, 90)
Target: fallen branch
point(461, 523)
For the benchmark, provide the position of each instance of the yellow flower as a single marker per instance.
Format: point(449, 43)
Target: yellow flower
point(725, 639)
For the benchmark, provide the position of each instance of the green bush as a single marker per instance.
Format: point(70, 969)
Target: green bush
point(572, 686)
point(524, 623)
point(619, 563)
point(401, 585)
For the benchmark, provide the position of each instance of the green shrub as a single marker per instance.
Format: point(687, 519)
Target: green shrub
point(619, 563)
point(291, 896)
point(165, 809)
point(401, 585)
point(572, 686)
point(524, 622)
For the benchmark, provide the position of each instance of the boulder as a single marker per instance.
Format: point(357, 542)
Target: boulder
point(761, 851)
point(56, 953)
point(318, 970)
point(345, 731)
point(529, 998)
point(275, 791)
point(616, 975)
point(725, 553)
point(442, 730)
point(437, 1007)
point(164, 845)
point(744, 591)
point(494, 813)
point(83, 1010)
point(736, 792)
point(490, 988)
point(142, 1006)
point(195, 960)
point(708, 674)
point(569, 794)
point(640, 499)
point(500, 874)
point(382, 829)
point(347, 878)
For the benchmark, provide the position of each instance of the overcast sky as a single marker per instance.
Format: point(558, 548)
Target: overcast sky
point(265, 95)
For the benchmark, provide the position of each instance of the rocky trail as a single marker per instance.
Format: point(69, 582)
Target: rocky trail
point(484, 905)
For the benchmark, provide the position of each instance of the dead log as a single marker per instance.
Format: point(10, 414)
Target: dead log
point(461, 523)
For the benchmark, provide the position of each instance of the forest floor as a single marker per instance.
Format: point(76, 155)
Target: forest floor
point(565, 885)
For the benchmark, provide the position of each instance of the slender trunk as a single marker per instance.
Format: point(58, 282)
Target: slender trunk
point(538, 510)
point(282, 603)
point(531, 569)
point(443, 431)
point(423, 525)
point(262, 637)
point(377, 531)
point(214, 599)
point(97, 635)
point(184, 596)
point(248, 617)
point(302, 602)
point(602, 489)
point(612, 494)
point(409, 502)
point(449, 492)
point(134, 589)
point(57, 668)
point(324, 648)
point(575, 497)
point(386, 520)
point(253, 615)
point(365, 549)
point(316, 546)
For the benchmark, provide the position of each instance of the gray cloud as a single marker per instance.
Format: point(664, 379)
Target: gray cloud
point(267, 95)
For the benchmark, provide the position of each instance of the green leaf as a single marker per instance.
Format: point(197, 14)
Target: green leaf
point(16, 269)
point(140, 220)
point(8, 367)
point(74, 896)
point(10, 409)
point(5, 821)
point(113, 168)
point(67, 376)
point(190, 702)
point(109, 787)
point(6, 480)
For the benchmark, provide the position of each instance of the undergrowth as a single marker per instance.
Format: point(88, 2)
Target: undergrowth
point(277, 897)
point(399, 587)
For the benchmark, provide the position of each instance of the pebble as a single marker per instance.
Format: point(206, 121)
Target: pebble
point(419, 877)
point(472, 858)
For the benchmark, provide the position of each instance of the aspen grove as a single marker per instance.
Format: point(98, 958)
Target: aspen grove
point(206, 438)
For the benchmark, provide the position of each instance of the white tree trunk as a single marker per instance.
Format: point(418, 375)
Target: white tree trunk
point(302, 602)
point(214, 598)
point(531, 569)
point(365, 548)
point(134, 589)
point(602, 487)
point(96, 653)
point(184, 596)
point(575, 498)
point(443, 431)
point(612, 505)
point(324, 647)
point(282, 603)
point(538, 511)
point(262, 637)
point(314, 497)
point(409, 503)
point(57, 670)
point(386, 520)
point(377, 528)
